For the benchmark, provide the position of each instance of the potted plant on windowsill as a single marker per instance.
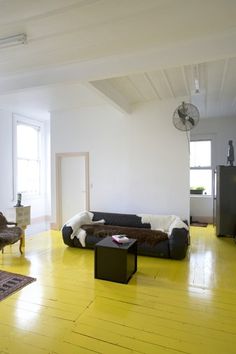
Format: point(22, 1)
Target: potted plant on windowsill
point(197, 190)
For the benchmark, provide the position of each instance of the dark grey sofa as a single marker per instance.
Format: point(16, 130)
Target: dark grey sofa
point(175, 246)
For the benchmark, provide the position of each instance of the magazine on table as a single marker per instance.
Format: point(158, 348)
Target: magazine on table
point(121, 238)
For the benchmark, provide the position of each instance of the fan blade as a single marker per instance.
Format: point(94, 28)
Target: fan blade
point(181, 114)
point(191, 120)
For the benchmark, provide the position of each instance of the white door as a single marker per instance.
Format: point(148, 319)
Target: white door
point(73, 185)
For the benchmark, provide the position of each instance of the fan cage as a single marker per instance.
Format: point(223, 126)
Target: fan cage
point(191, 111)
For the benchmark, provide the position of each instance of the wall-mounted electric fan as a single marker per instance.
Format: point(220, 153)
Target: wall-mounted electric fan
point(186, 116)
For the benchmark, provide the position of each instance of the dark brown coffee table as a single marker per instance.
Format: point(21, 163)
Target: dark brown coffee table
point(115, 262)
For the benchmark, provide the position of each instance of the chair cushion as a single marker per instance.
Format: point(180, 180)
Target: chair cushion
point(9, 235)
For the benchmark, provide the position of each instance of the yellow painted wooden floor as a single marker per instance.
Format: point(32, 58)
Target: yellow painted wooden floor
point(168, 307)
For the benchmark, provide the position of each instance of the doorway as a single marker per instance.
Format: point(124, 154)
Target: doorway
point(72, 176)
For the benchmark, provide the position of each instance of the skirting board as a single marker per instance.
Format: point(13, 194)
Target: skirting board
point(203, 219)
point(53, 226)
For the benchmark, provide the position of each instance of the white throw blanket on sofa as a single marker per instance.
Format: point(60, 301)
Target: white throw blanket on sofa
point(165, 223)
point(84, 217)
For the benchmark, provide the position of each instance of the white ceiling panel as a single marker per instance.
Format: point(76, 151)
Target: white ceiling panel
point(158, 79)
point(144, 86)
point(176, 80)
point(216, 77)
point(126, 87)
point(229, 87)
point(19, 10)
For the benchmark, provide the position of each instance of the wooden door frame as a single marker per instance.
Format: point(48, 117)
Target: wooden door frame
point(59, 157)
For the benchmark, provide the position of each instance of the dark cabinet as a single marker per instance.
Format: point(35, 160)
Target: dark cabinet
point(225, 201)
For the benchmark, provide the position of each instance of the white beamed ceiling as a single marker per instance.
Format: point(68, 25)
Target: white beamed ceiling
point(128, 51)
point(217, 86)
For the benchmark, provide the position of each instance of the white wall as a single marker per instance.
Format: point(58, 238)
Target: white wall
point(47, 142)
point(220, 131)
point(39, 206)
point(139, 163)
point(6, 175)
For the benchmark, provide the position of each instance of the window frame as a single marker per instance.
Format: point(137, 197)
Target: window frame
point(203, 168)
point(17, 118)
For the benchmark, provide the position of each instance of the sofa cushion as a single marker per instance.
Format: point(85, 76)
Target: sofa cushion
point(130, 220)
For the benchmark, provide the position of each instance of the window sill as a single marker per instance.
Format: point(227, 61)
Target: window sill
point(200, 196)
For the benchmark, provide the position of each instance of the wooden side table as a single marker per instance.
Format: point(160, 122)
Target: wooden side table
point(20, 215)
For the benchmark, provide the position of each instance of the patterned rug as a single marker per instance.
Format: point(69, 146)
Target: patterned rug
point(11, 282)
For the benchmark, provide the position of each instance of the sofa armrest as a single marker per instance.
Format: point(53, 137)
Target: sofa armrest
point(178, 243)
point(66, 233)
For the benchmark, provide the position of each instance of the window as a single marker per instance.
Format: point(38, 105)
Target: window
point(201, 166)
point(28, 157)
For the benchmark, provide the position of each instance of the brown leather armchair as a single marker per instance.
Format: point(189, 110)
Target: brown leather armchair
point(9, 233)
